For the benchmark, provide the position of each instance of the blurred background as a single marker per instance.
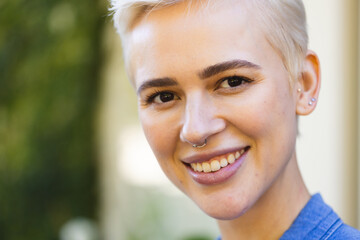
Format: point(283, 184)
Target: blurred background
point(50, 60)
point(74, 164)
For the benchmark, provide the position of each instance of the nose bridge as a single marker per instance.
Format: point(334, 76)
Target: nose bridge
point(201, 120)
point(195, 114)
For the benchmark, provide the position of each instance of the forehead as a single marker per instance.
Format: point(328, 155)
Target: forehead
point(192, 34)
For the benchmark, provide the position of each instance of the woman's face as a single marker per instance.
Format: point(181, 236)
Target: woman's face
point(211, 74)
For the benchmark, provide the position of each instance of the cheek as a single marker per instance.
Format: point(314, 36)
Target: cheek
point(162, 135)
point(265, 112)
point(268, 121)
point(155, 134)
point(255, 119)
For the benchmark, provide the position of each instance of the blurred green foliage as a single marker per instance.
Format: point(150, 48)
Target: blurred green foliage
point(49, 67)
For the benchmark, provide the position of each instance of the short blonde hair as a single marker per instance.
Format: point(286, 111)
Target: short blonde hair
point(282, 21)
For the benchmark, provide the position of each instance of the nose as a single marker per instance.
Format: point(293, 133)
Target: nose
point(201, 121)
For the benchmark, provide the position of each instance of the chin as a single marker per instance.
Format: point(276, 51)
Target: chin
point(226, 213)
point(224, 210)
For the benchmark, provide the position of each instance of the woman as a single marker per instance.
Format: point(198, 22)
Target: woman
point(220, 86)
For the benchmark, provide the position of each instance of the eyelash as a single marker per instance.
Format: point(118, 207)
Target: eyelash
point(241, 79)
point(149, 99)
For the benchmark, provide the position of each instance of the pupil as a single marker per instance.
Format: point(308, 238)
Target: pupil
point(166, 97)
point(233, 82)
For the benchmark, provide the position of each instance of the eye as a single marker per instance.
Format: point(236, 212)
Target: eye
point(163, 97)
point(234, 81)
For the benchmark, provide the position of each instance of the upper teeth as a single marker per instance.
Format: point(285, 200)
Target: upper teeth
point(217, 163)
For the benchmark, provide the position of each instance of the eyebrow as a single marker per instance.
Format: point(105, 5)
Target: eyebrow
point(157, 82)
point(224, 66)
point(205, 73)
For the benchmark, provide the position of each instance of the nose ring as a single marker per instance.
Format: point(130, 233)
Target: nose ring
point(195, 145)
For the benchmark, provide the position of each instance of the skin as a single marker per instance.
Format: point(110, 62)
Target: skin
point(266, 193)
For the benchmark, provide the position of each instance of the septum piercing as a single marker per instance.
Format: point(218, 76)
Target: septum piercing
point(195, 145)
point(312, 101)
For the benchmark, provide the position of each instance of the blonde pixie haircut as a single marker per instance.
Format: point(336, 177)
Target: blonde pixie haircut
point(282, 21)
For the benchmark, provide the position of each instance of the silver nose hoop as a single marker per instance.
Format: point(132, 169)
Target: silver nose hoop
point(195, 145)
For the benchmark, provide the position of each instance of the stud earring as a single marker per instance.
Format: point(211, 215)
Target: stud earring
point(299, 90)
point(312, 101)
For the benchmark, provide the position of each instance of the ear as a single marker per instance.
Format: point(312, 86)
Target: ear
point(308, 85)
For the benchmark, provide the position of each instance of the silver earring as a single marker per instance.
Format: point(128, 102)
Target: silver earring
point(312, 100)
point(195, 145)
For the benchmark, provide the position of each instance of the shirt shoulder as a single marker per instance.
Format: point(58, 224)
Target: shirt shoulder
point(345, 232)
point(317, 220)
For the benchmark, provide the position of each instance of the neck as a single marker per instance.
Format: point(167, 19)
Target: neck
point(274, 211)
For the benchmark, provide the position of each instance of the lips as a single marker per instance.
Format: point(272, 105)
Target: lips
point(216, 169)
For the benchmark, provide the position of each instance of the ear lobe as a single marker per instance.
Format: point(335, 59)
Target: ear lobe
point(308, 85)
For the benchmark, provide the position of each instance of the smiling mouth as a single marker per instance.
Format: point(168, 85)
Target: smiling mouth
point(218, 162)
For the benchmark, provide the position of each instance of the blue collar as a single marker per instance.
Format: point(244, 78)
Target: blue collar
point(315, 221)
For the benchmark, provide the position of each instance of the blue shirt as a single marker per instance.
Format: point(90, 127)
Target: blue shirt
point(318, 221)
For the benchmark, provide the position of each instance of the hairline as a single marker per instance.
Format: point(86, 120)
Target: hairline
point(291, 58)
